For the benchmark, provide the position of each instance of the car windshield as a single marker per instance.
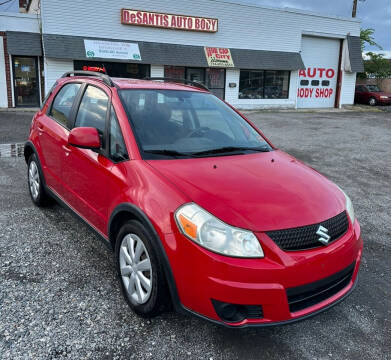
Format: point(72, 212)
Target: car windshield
point(185, 124)
point(373, 88)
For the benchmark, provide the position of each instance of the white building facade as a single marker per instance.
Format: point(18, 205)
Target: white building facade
point(251, 56)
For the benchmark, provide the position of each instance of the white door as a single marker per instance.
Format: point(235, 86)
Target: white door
point(318, 82)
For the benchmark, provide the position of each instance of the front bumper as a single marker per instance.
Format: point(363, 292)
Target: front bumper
point(201, 276)
point(384, 101)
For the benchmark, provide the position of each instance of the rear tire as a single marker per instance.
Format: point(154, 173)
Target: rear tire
point(140, 271)
point(35, 182)
point(372, 101)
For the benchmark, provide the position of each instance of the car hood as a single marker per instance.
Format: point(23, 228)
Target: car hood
point(260, 192)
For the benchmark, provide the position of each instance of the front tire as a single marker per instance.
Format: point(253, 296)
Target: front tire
point(372, 101)
point(35, 182)
point(140, 270)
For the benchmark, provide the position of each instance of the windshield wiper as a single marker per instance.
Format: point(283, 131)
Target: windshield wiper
point(167, 152)
point(229, 149)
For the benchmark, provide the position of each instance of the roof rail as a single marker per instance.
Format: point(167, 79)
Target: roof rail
point(184, 81)
point(105, 78)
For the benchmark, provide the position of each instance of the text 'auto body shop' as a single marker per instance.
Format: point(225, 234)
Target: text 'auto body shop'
point(251, 56)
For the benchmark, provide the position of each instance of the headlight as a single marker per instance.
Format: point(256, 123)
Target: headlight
point(383, 97)
point(213, 234)
point(349, 206)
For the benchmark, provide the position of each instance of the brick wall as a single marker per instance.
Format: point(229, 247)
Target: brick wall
point(384, 84)
point(7, 69)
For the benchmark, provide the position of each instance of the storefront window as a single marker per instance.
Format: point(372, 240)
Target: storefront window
point(264, 84)
point(115, 69)
point(26, 81)
point(175, 72)
point(215, 81)
point(213, 78)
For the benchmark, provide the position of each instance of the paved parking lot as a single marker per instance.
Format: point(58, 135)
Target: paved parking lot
point(59, 296)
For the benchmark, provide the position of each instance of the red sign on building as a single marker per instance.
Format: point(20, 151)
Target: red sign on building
point(168, 21)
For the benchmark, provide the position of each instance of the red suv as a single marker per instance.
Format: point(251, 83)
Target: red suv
point(202, 211)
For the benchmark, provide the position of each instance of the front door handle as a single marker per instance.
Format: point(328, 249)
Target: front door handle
point(66, 149)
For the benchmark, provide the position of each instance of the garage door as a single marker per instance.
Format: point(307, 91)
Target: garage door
point(318, 82)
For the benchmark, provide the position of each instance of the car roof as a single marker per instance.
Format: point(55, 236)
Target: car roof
point(128, 83)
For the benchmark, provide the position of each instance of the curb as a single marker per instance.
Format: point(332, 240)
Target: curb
point(16, 110)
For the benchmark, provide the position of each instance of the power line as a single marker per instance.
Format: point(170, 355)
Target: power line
point(5, 2)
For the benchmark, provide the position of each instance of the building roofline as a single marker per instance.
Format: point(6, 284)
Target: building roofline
point(289, 9)
point(18, 15)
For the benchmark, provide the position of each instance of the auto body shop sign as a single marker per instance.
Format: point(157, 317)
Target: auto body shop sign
point(112, 50)
point(168, 21)
point(218, 57)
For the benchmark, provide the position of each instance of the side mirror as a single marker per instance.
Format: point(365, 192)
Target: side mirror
point(85, 138)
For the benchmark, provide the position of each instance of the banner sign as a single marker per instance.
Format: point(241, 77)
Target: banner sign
point(218, 57)
point(168, 21)
point(316, 83)
point(112, 50)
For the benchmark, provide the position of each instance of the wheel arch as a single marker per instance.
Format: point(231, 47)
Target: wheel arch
point(128, 211)
point(29, 149)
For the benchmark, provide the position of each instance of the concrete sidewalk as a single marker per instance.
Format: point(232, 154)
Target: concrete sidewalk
point(14, 126)
point(19, 109)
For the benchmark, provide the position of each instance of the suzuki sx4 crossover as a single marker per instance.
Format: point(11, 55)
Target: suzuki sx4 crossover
point(203, 213)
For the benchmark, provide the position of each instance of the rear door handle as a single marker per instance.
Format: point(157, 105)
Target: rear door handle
point(40, 130)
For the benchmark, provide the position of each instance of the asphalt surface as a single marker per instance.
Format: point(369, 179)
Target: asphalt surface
point(59, 296)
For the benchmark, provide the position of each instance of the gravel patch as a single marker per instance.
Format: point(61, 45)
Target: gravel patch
point(59, 296)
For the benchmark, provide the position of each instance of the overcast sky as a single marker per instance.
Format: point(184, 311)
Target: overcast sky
point(374, 14)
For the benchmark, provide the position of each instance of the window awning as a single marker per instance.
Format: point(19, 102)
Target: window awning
point(72, 47)
point(267, 60)
point(24, 43)
point(355, 55)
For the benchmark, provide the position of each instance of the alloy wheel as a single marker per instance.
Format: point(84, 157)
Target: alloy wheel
point(34, 180)
point(136, 269)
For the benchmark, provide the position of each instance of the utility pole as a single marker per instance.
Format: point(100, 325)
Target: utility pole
point(354, 10)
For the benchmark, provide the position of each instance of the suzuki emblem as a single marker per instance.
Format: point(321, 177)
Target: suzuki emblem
point(324, 236)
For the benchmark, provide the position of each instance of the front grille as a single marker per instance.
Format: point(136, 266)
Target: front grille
point(304, 296)
point(305, 237)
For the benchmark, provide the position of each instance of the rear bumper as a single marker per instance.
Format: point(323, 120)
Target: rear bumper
point(201, 276)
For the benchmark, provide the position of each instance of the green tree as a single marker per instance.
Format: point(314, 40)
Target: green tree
point(377, 66)
point(367, 38)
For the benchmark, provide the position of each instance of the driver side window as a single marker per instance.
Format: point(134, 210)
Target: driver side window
point(117, 146)
point(93, 109)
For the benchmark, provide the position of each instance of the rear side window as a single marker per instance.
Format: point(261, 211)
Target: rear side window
point(63, 102)
point(93, 109)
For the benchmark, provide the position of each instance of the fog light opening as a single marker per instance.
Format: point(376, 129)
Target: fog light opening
point(228, 312)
